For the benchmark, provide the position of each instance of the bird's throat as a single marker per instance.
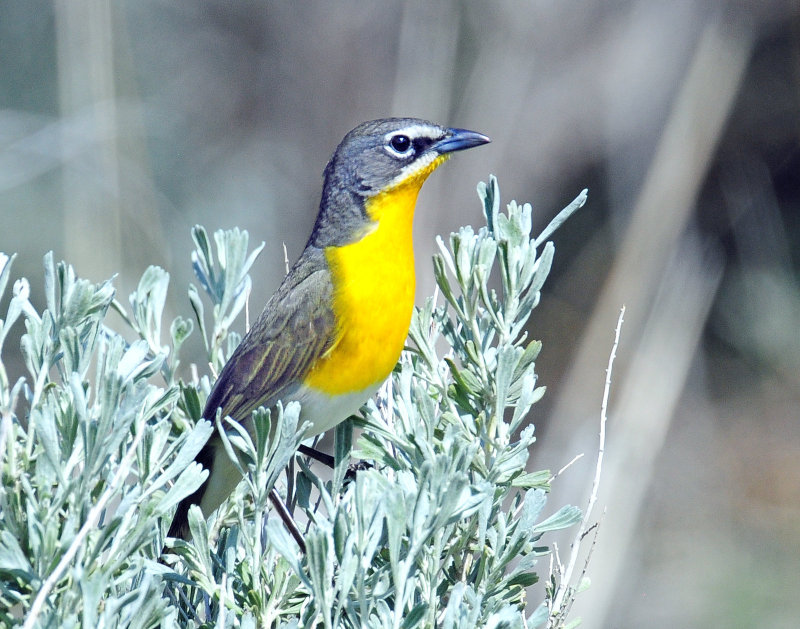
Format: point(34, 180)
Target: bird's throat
point(374, 283)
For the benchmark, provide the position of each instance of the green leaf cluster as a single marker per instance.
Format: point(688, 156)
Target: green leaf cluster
point(442, 526)
point(90, 463)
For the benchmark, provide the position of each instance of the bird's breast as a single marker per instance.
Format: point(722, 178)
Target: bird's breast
point(374, 282)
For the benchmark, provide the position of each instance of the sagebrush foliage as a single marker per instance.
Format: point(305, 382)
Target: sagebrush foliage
point(442, 528)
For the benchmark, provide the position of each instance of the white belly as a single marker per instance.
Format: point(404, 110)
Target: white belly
point(322, 411)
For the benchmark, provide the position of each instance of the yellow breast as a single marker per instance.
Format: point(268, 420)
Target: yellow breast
point(374, 283)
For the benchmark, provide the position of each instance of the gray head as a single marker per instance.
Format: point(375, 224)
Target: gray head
point(375, 157)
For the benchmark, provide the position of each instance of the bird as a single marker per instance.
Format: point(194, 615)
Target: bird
point(335, 328)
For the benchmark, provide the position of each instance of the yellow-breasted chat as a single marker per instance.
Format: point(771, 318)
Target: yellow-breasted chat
point(334, 329)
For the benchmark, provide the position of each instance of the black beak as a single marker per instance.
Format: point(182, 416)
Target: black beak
point(459, 140)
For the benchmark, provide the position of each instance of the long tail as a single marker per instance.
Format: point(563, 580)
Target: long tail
point(180, 523)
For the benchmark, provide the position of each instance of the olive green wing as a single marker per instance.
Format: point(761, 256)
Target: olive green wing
point(296, 328)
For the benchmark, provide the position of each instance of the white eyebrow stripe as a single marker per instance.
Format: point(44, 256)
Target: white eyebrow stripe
point(417, 131)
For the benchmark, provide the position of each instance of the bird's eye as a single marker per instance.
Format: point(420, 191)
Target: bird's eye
point(400, 144)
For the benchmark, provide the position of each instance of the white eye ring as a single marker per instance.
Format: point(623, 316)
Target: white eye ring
point(400, 145)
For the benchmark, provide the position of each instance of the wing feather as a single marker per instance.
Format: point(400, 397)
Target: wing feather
point(296, 327)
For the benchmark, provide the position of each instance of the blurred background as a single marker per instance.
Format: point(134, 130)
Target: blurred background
point(122, 124)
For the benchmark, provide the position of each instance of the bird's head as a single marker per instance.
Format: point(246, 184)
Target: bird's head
point(376, 158)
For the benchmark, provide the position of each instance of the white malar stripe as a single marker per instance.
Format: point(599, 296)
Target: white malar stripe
point(414, 167)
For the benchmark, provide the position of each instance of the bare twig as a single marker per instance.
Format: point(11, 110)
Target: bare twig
point(562, 599)
point(574, 460)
